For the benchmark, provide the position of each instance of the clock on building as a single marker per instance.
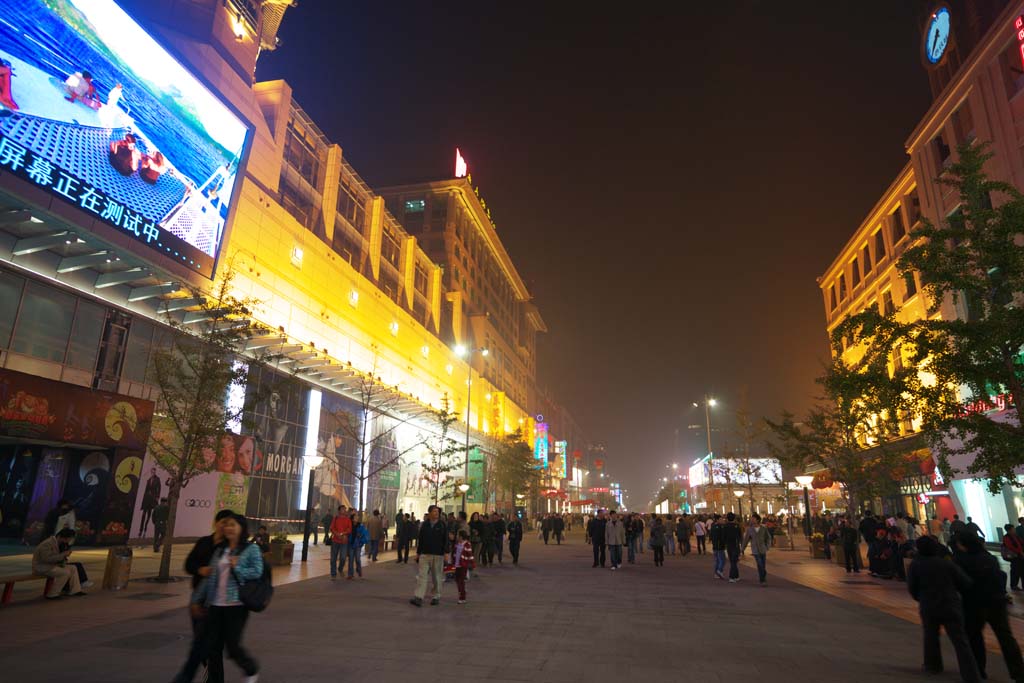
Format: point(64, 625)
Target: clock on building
point(936, 37)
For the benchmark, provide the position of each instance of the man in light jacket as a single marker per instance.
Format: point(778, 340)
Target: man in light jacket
point(615, 538)
point(49, 560)
point(759, 540)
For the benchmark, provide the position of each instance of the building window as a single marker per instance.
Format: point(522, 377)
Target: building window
point(865, 258)
point(899, 231)
point(911, 284)
point(389, 248)
point(855, 274)
point(301, 156)
point(415, 206)
point(913, 205)
point(963, 123)
point(44, 324)
point(879, 246)
point(842, 287)
point(942, 151)
point(136, 356)
point(85, 336)
point(888, 307)
point(352, 204)
point(10, 297)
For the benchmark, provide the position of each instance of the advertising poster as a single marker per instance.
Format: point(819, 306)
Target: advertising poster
point(277, 421)
point(16, 475)
point(97, 113)
point(384, 466)
point(477, 472)
point(336, 479)
point(116, 518)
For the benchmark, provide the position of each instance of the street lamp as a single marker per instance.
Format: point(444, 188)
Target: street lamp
point(463, 487)
point(465, 352)
point(708, 404)
point(312, 461)
point(805, 480)
point(739, 500)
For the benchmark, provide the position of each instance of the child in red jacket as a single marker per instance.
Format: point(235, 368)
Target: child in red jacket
point(463, 562)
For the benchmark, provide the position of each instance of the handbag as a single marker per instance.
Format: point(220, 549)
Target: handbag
point(255, 595)
point(1008, 554)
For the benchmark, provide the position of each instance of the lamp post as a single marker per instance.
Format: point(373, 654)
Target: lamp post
point(467, 353)
point(463, 487)
point(739, 500)
point(312, 461)
point(805, 480)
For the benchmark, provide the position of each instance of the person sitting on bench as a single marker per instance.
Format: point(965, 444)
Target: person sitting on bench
point(49, 560)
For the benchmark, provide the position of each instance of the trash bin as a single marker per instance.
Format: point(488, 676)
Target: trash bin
point(118, 569)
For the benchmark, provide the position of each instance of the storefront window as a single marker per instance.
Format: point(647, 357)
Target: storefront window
point(85, 338)
point(136, 355)
point(44, 324)
point(10, 296)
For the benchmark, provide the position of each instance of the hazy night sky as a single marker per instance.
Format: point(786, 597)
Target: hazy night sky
point(669, 180)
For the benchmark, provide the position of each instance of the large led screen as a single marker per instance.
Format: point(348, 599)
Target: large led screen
point(93, 110)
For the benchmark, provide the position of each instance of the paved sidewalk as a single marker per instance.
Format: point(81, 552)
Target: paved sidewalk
point(552, 619)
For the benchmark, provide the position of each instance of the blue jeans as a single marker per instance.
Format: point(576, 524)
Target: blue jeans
point(670, 542)
point(355, 559)
point(339, 551)
point(616, 555)
point(719, 561)
point(762, 571)
point(630, 549)
point(374, 547)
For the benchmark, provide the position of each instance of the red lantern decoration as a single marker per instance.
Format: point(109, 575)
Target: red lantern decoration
point(822, 480)
point(577, 455)
point(599, 464)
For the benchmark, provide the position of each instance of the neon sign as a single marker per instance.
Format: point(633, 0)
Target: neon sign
point(461, 168)
point(540, 449)
point(1018, 26)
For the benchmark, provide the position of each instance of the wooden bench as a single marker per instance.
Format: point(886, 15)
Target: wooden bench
point(11, 579)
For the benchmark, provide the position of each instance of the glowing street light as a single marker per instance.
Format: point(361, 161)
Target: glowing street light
point(805, 480)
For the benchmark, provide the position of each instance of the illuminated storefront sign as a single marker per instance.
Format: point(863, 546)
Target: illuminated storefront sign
point(1018, 26)
point(699, 474)
point(540, 448)
point(754, 471)
point(111, 123)
point(560, 466)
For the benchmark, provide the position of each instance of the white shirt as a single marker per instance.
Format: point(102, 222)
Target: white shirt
point(699, 528)
point(220, 597)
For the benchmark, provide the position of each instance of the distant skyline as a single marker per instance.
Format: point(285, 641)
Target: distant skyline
point(668, 187)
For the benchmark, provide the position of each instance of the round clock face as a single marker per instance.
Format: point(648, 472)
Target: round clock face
point(937, 36)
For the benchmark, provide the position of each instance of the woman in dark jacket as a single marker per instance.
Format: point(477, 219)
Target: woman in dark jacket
point(986, 602)
point(658, 541)
point(476, 529)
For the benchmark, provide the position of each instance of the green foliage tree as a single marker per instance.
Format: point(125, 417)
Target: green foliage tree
point(442, 449)
point(854, 429)
point(193, 368)
point(513, 467)
point(973, 263)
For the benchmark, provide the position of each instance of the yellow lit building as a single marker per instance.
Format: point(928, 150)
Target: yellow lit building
point(348, 293)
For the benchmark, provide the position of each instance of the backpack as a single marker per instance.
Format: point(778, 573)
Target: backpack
point(255, 595)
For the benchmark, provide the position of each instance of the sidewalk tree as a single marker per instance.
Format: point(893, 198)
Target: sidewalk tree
point(513, 467)
point(854, 429)
point(193, 368)
point(973, 261)
point(442, 450)
point(371, 428)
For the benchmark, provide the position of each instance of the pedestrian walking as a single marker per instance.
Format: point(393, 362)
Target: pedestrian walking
point(700, 530)
point(596, 538)
point(974, 528)
point(234, 562)
point(375, 531)
point(614, 538)
point(684, 532)
point(325, 522)
point(1012, 550)
point(359, 537)
point(430, 546)
point(545, 527)
point(851, 546)
point(197, 564)
point(500, 530)
point(558, 527)
point(759, 540)
point(629, 527)
point(638, 533)
point(658, 541)
point(341, 529)
point(732, 537)
point(985, 602)
point(718, 545)
point(476, 529)
point(936, 584)
point(670, 534)
point(160, 515)
point(463, 561)
point(515, 538)
point(488, 540)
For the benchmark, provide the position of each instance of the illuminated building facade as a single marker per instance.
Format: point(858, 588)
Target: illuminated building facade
point(94, 257)
point(974, 58)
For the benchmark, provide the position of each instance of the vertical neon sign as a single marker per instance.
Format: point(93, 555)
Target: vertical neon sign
point(1018, 25)
point(540, 451)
